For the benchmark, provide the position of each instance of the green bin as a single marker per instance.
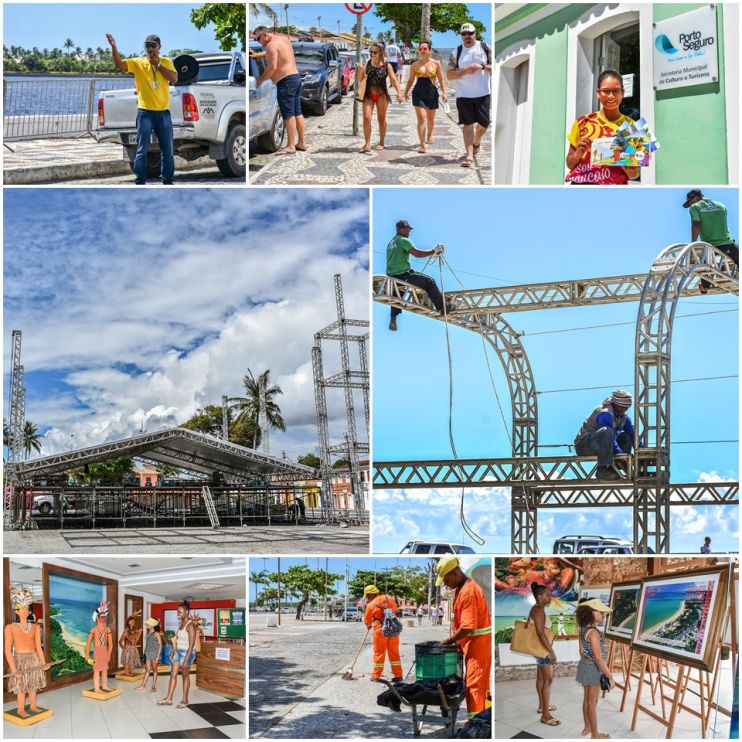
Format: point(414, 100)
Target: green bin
point(434, 661)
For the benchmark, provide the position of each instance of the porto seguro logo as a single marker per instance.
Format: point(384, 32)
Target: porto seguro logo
point(692, 41)
point(664, 45)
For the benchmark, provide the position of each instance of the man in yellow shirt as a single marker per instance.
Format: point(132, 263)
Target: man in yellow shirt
point(153, 75)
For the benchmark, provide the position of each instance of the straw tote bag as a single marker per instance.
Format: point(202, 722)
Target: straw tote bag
point(360, 87)
point(525, 639)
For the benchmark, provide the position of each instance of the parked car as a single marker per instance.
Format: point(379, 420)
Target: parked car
point(348, 67)
point(321, 76)
point(435, 548)
point(352, 614)
point(266, 124)
point(44, 504)
point(581, 544)
point(208, 114)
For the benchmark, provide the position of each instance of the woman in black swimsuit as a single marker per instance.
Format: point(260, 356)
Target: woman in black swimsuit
point(423, 75)
point(377, 70)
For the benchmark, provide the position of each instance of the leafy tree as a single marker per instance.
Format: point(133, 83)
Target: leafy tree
point(407, 18)
point(112, 471)
point(242, 431)
point(31, 438)
point(340, 464)
point(229, 20)
point(310, 459)
point(409, 583)
point(307, 582)
point(269, 597)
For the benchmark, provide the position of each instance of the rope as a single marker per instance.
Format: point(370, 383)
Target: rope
point(468, 530)
point(619, 386)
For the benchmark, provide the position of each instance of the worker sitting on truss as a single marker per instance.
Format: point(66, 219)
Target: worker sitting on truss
point(607, 432)
point(398, 253)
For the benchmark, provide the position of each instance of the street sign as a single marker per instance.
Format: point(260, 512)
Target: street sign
point(359, 8)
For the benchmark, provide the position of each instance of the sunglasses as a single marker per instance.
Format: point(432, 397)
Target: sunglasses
point(150, 45)
point(467, 33)
point(373, 53)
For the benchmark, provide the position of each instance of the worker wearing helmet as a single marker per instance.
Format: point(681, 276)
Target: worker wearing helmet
point(607, 432)
point(472, 629)
point(383, 645)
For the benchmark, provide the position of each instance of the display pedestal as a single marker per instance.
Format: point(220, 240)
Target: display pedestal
point(129, 678)
point(102, 695)
point(34, 718)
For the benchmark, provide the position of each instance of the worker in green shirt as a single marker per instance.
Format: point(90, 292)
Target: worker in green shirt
point(709, 224)
point(398, 253)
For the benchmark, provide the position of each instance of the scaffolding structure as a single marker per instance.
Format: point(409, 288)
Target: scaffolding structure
point(349, 380)
point(16, 423)
point(561, 481)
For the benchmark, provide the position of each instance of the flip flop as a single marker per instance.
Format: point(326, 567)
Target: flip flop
point(379, 146)
point(421, 150)
point(163, 702)
point(551, 722)
point(182, 705)
point(285, 151)
point(300, 149)
point(467, 163)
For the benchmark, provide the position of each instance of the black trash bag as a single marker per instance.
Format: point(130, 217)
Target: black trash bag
point(478, 727)
point(424, 692)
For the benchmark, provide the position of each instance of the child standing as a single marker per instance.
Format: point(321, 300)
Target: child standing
point(152, 652)
point(592, 662)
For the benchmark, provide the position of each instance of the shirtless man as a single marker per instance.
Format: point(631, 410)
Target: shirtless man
point(281, 69)
point(24, 654)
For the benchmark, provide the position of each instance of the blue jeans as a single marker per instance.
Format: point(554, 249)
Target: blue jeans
point(161, 123)
point(600, 444)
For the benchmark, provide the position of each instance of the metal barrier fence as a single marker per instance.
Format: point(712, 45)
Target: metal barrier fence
point(54, 108)
point(150, 507)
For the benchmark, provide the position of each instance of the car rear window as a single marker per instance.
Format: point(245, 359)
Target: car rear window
point(213, 71)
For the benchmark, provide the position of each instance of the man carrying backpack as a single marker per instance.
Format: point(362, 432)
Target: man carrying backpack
point(471, 629)
point(471, 65)
point(381, 615)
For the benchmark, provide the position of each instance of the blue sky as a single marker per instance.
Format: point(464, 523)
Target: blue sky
point(512, 236)
point(305, 15)
point(48, 25)
point(335, 565)
point(136, 309)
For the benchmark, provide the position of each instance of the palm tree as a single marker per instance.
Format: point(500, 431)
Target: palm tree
point(259, 578)
point(250, 404)
point(69, 44)
point(257, 9)
point(425, 23)
point(31, 438)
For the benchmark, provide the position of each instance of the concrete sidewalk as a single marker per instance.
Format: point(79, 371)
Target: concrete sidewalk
point(334, 158)
point(336, 708)
point(40, 161)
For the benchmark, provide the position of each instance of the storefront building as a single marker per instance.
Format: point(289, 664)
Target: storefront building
point(680, 68)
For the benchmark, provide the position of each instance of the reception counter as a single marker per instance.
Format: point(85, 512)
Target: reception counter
point(220, 668)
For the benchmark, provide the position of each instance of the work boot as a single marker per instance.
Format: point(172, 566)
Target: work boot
point(607, 474)
point(398, 680)
point(393, 324)
point(375, 680)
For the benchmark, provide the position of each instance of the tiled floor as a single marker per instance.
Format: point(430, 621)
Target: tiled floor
point(134, 715)
point(516, 717)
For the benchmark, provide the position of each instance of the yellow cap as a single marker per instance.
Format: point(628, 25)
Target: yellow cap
point(370, 590)
point(444, 566)
point(151, 622)
point(597, 605)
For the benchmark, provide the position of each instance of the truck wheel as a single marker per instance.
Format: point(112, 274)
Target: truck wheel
point(273, 139)
point(233, 166)
point(321, 108)
point(153, 162)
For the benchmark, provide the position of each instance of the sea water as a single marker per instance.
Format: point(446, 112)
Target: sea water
point(660, 609)
point(76, 619)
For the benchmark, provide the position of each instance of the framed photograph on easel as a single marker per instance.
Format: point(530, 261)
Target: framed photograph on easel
point(620, 624)
point(679, 616)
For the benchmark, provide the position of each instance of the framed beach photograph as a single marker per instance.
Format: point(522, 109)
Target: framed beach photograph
point(601, 592)
point(620, 623)
point(679, 617)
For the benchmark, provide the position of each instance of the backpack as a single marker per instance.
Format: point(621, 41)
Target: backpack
point(391, 625)
point(486, 49)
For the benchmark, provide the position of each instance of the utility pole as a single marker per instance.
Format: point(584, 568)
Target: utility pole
point(327, 569)
point(347, 577)
point(279, 591)
point(356, 105)
point(338, 28)
point(286, 10)
point(319, 26)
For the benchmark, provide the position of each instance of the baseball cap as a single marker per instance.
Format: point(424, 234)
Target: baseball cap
point(151, 622)
point(444, 566)
point(467, 27)
point(691, 194)
point(404, 223)
point(598, 605)
point(153, 37)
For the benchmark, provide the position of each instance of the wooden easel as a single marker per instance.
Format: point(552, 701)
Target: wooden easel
point(627, 667)
point(654, 667)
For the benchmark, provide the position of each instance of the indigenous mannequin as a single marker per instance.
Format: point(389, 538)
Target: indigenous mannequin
point(182, 655)
point(152, 652)
point(24, 654)
point(102, 641)
point(129, 643)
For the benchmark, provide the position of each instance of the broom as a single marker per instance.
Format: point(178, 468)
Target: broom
point(348, 674)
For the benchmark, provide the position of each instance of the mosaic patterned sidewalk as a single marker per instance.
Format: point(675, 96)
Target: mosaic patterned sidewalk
point(334, 158)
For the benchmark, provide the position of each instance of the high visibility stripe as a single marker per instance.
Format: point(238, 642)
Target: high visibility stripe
point(481, 632)
point(376, 664)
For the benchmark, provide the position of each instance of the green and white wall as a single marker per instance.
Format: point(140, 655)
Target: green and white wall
point(545, 80)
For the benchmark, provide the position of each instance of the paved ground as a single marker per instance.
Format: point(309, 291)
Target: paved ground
point(296, 685)
point(61, 161)
point(248, 540)
point(333, 157)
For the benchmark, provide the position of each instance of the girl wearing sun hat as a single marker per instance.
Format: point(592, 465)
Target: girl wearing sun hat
point(592, 662)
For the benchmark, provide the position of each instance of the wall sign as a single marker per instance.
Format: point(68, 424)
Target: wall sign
point(221, 653)
point(685, 50)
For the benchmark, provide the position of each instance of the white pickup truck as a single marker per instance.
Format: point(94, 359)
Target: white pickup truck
point(207, 109)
